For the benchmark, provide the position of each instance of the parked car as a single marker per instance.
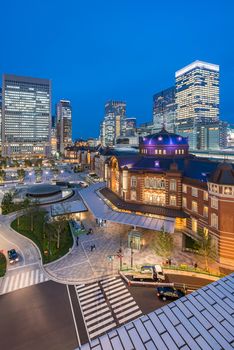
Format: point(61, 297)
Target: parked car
point(169, 293)
point(13, 256)
point(156, 270)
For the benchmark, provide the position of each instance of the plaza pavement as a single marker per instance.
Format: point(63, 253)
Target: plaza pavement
point(81, 265)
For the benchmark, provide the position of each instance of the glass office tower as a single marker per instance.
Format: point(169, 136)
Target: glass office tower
point(114, 122)
point(0, 117)
point(64, 124)
point(26, 116)
point(197, 93)
point(164, 109)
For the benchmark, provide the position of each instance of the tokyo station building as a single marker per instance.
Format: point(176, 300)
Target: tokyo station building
point(164, 181)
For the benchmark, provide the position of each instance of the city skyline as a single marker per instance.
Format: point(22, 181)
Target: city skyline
point(94, 71)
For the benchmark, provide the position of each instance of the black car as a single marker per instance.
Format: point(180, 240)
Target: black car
point(166, 293)
point(13, 256)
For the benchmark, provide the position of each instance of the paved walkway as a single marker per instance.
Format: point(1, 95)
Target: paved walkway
point(82, 265)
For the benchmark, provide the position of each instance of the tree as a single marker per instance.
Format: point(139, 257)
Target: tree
point(21, 174)
point(206, 248)
point(2, 176)
point(27, 163)
point(59, 225)
point(163, 244)
point(7, 203)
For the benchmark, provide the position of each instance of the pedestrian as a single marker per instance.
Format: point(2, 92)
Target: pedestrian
point(91, 247)
point(77, 241)
point(94, 246)
point(195, 265)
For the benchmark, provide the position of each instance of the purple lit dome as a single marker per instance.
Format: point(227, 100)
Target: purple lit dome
point(164, 143)
point(164, 138)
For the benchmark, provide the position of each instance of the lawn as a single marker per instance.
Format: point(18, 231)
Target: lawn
point(45, 239)
point(2, 264)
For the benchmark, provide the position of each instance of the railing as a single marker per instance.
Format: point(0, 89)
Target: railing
point(182, 267)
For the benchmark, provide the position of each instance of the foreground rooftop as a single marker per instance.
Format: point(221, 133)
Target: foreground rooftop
point(201, 320)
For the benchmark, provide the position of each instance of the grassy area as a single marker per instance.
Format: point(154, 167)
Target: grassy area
point(45, 239)
point(2, 264)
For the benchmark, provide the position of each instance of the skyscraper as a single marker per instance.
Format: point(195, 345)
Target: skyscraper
point(129, 127)
point(113, 123)
point(64, 124)
point(0, 117)
point(197, 93)
point(26, 116)
point(164, 109)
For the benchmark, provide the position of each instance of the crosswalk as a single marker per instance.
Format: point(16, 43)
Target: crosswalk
point(105, 305)
point(21, 279)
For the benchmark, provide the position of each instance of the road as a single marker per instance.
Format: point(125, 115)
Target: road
point(55, 316)
point(38, 317)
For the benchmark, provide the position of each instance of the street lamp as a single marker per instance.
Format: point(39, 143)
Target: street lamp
point(131, 246)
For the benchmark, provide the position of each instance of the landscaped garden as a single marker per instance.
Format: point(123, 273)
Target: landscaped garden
point(52, 238)
point(2, 264)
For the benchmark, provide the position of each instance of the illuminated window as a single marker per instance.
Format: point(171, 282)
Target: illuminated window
point(206, 231)
point(194, 192)
point(147, 182)
point(184, 202)
point(172, 200)
point(184, 188)
point(194, 206)
point(205, 211)
point(172, 185)
point(133, 181)
point(194, 225)
point(214, 220)
point(133, 195)
point(214, 203)
point(205, 196)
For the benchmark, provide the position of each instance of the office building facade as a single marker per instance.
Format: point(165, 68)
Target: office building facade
point(197, 93)
point(164, 109)
point(64, 124)
point(114, 122)
point(0, 117)
point(129, 127)
point(26, 116)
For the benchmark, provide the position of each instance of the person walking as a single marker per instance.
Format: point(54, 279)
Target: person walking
point(77, 241)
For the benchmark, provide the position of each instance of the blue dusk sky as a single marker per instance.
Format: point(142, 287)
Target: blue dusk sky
point(124, 49)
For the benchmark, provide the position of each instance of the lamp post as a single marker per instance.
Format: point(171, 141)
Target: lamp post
point(131, 246)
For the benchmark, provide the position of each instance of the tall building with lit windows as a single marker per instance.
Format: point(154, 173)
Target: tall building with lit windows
point(164, 109)
point(26, 116)
point(197, 93)
point(0, 117)
point(113, 124)
point(64, 124)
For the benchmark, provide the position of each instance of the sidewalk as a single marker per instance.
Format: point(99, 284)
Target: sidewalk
point(82, 265)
